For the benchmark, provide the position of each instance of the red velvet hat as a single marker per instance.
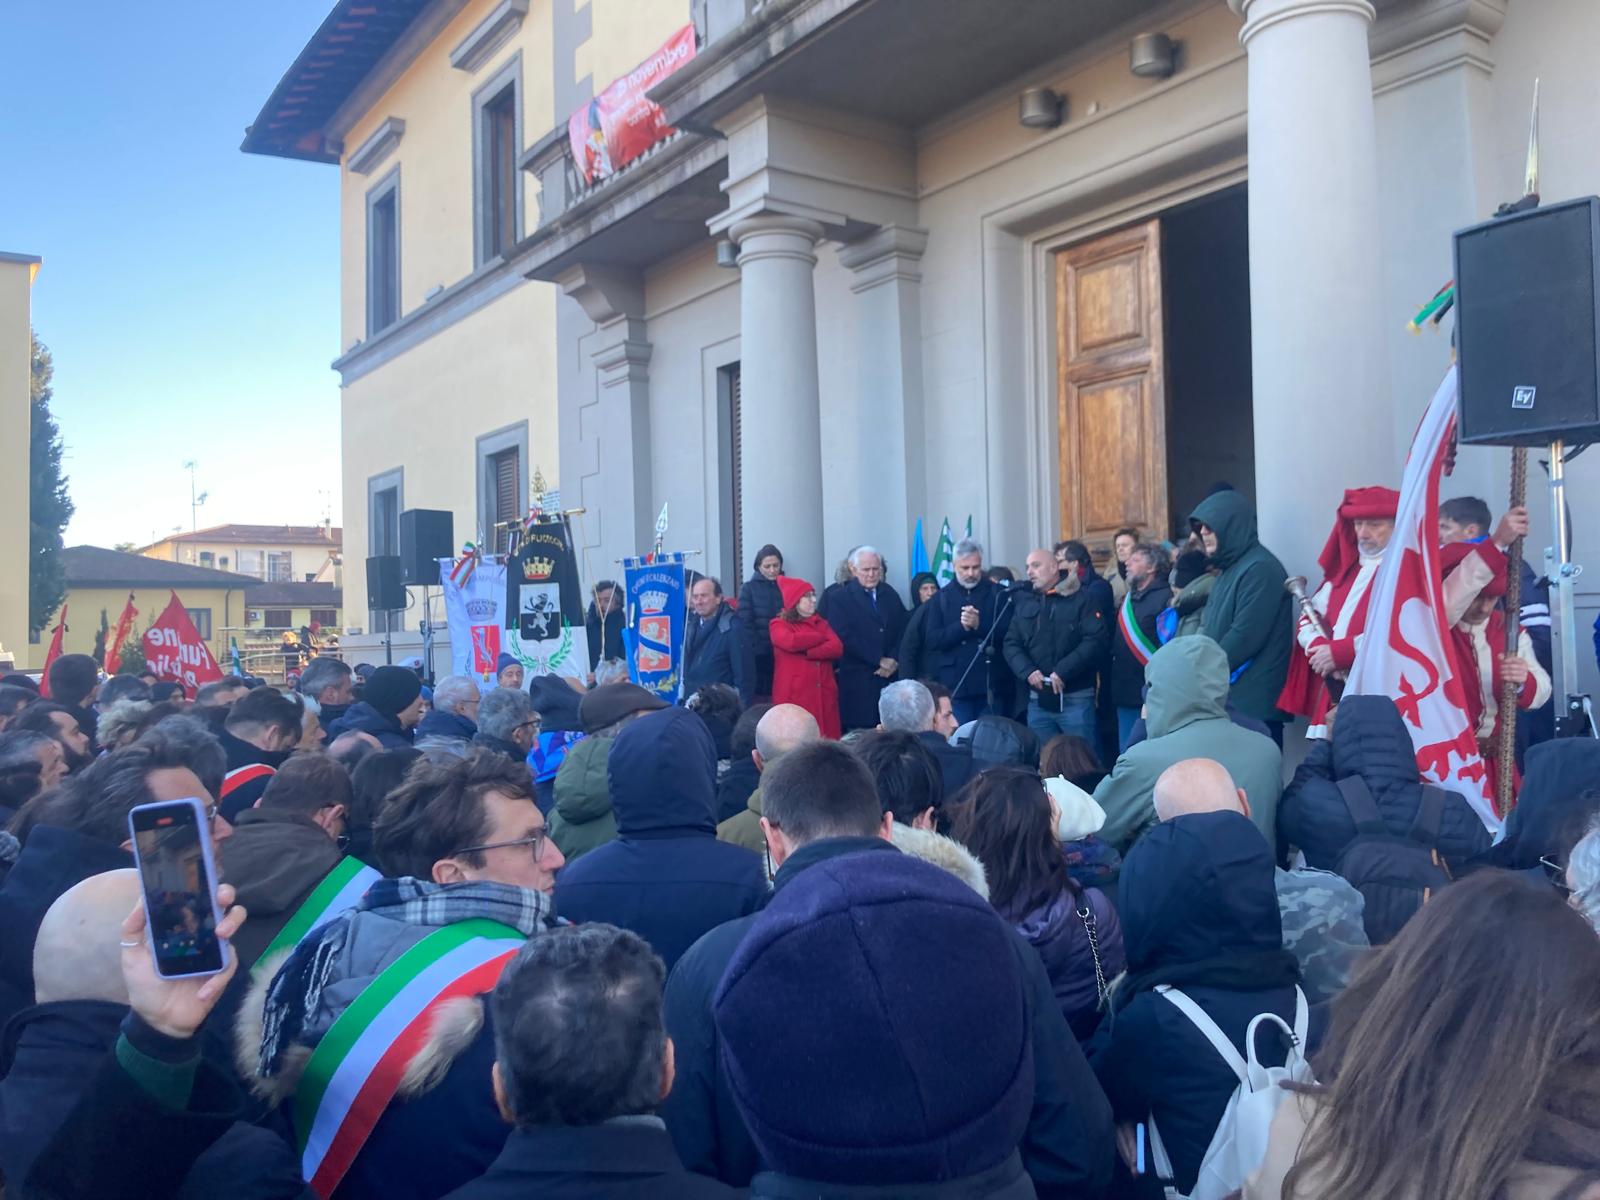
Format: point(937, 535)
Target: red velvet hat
point(1341, 555)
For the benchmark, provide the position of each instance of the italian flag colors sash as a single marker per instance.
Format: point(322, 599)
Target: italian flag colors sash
point(356, 1068)
point(340, 891)
point(1141, 644)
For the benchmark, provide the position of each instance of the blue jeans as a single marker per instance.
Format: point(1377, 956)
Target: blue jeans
point(1076, 717)
point(1127, 718)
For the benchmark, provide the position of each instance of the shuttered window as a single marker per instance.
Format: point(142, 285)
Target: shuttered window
point(504, 475)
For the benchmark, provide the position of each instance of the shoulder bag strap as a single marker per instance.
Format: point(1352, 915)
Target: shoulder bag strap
point(1430, 815)
point(1363, 808)
point(1219, 1040)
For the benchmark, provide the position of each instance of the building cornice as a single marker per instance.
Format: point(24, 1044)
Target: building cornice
point(367, 157)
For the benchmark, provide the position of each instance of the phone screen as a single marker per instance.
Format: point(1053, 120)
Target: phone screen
point(172, 843)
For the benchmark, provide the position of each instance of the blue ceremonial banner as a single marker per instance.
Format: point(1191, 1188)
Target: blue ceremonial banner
point(655, 624)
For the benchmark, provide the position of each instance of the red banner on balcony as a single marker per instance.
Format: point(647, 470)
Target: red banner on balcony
point(622, 122)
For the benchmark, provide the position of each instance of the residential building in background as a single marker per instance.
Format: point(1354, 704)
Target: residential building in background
point(98, 584)
point(17, 273)
point(275, 607)
point(271, 553)
point(1059, 266)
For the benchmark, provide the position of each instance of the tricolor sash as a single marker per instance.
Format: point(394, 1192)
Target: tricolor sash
point(249, 773)
point(1141, 644)
point(341, 890)
point(356, 1068)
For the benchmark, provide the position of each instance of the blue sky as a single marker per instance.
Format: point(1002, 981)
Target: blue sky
point(189, 292)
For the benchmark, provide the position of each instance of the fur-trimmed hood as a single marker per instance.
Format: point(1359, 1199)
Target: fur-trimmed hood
point(945, 853)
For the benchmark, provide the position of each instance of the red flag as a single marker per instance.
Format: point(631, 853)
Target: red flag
point(124, 627)
point(175, 651)
point(1406, 653)
point(54, 653)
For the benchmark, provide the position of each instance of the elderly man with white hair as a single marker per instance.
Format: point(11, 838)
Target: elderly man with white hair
point(454, 716)
point(965, 629)
point(909, 707)
point(870, 618)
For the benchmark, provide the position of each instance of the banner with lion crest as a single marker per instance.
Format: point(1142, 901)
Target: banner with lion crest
point(544, 604)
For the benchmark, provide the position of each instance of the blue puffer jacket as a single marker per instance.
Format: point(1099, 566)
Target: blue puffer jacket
point(1061, 937)
point(1369, 740)
point(666, 877)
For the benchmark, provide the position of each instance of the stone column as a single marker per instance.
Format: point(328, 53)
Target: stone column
point(887, 484)
point(1317, 321)
point(780, 426)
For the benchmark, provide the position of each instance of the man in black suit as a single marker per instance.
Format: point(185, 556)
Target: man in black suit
point(870, 618)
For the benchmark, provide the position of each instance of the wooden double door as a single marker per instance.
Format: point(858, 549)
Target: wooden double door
point(1111, 397)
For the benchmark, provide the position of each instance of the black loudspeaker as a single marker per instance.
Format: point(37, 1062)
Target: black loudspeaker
point(426, 536)
point(1526, 326)
point(385, 590)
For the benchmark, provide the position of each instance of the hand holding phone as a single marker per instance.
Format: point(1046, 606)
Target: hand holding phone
point(177, 882)
point(175, 1007)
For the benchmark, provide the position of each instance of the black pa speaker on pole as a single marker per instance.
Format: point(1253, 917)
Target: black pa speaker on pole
point(1528, 326)
point(385, 590)
point(426, 536)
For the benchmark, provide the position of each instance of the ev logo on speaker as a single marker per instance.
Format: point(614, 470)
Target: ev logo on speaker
point(1522, 397)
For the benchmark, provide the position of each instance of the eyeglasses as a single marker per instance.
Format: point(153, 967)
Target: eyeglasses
point(1556, 872)
point(535, 843)
point(533, 724)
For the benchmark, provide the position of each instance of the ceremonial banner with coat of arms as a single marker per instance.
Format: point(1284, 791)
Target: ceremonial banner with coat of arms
point(473, 602)
point(656, 615)
point(544, 604)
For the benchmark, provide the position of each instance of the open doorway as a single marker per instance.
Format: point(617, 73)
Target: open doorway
point(1154, 384)
point(1205, 285)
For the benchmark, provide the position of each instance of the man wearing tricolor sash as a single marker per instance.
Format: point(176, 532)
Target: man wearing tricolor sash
point(372, 1032)
point(1144, 600)
point(1349, 562)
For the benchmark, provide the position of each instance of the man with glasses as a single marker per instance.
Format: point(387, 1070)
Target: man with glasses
point(507, 724)
point(454, 716)
point(285, 846)
point(870, 619)
point(468, 872)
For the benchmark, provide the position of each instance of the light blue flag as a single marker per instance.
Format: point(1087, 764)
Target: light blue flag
point(919, 552)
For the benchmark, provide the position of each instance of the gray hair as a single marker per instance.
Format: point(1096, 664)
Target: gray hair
point(1583, 875)
point(855, 555)
point(20, 748)
point(502, 710)
point(441, 750)
point(322, 672)
point(906, 705)
point(965, 547)
point(121, 718)
point(452, 691)
point(610, 670)
point(1158, 556)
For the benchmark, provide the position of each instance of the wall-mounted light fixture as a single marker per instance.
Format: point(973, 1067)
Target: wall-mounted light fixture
point(1040, 108)
point(1153, 56)
point(727, 254)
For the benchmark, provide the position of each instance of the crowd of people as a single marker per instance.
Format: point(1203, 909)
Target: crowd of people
point(1005, 891)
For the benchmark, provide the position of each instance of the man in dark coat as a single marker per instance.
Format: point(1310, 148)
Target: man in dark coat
point(1249, 614)
point(1056, 644)
point(604, 623)
point(870, 620)
point(967, 622)
point(258, 735)
point(331, 684)
point(73, 681)
point(1199, 911)
point(716, 648)
point(1135, 638)
point(389, 709)
point(454, 715)
point(666, 877)
point(55, 1049)
point(823, 804)
point(581, 1067)
point(284, 847)
point(1370, 739)
point(909, 707)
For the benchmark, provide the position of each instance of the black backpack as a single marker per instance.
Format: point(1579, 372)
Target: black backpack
point(1395, 875)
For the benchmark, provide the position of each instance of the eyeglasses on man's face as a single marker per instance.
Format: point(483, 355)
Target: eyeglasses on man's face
point(535, 843)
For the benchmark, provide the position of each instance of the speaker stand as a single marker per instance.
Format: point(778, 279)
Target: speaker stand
point(1577, 718)
point(427, 639)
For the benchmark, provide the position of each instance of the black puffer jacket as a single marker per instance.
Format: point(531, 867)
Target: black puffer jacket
point(1127, 668)
point(760, 602)
point(1369, 740)
point(1555, 807)
point(1060, 631)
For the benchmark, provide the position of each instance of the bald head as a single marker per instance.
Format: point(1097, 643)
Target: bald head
point(76, 956)
point(1197, 785)
point(785, 727)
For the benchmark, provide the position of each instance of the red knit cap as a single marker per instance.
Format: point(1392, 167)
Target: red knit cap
point(793, 589)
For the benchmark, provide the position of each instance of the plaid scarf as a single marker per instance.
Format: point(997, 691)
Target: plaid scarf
point(296, 990)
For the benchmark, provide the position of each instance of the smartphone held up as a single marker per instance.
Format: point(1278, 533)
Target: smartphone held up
point(172, 848)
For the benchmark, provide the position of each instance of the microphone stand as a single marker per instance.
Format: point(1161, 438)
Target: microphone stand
point(984, 644)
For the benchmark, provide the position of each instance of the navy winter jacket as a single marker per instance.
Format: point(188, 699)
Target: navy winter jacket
point(1369, 740)
point(952, 648)
point(361, 717)
point(446, 725)
point(1196, 890)
point(666, 876)
point(718, 651)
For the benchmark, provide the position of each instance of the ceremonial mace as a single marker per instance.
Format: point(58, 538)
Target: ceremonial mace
point(1296, 587)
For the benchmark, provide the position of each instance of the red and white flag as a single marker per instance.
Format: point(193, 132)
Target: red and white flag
point(124, 627)
point(175, 651)
point(1406, 653)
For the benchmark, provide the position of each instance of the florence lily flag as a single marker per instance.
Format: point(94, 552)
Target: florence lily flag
point(1406, 654)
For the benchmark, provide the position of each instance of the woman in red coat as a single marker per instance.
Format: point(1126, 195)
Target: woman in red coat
point(804, 647)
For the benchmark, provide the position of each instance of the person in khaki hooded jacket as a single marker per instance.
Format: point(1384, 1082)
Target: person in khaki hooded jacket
point(785, 727)
point(1186, 716)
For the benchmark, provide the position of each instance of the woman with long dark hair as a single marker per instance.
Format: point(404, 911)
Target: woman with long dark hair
point(1008, 820)
point(759, 602)
point(1463, 1060)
